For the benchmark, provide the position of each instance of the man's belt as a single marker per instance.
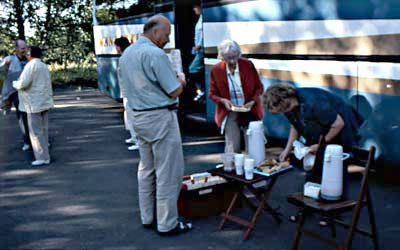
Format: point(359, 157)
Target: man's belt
point(169, 107)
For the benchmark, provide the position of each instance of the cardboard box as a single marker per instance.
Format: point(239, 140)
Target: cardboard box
point(205, 201)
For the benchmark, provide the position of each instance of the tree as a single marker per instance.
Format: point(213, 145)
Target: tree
point(61, 27)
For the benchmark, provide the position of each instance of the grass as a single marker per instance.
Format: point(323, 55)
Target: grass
point(84, 74)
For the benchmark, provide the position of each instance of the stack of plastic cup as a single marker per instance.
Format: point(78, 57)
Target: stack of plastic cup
point(248, 168)
point(239, 161)
point(228, 159)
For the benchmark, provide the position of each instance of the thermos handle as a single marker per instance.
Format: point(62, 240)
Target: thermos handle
point(346, 156)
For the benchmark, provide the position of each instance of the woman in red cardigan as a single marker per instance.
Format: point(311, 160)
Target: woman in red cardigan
point(234, 82)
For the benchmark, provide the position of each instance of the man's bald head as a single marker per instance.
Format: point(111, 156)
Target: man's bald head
point(157, 29)
point(20, 47)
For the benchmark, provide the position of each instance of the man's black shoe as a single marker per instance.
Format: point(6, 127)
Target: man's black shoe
point(181, 227)
point(150, 226)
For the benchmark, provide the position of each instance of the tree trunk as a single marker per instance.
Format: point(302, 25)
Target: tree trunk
point(20, 20)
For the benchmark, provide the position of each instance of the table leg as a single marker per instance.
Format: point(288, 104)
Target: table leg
point(231, 205)
point(253, 221)
point(264, 196)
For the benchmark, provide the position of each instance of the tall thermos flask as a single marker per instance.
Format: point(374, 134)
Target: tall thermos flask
point(256, 141)
point(332, 173)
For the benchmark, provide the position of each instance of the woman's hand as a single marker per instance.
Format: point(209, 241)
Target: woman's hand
point(249, 105)
point(284, 155)
point(313, 148)
point(226, 103)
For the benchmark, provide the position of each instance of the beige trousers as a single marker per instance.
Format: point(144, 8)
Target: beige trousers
point(232, 134)
point(128, 116)
point(39, 134)
point(161, 166)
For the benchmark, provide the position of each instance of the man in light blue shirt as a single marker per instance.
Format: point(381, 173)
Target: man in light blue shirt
point(152, 89)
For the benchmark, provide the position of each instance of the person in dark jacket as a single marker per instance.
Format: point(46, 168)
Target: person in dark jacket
point(313, 112)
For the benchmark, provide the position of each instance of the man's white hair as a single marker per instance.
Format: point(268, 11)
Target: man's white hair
point(229, 48)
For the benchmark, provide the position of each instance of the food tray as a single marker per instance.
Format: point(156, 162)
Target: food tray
point(240, 109)
point(256, 171)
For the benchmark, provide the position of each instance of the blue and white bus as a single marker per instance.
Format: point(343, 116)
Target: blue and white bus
point(349, 47)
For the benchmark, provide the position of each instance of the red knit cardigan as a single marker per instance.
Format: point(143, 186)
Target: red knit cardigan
point(251, 86)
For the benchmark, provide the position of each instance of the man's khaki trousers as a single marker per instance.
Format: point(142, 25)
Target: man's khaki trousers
point(39, 134)
point(161, 166)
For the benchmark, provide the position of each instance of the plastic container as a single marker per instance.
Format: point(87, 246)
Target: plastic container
point(239, 162)
point(256, 141)
point(308, 161)
point(228, 159)
point(312, 190)
point(248, 168)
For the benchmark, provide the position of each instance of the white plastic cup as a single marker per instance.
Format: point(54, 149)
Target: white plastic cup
point(248, 168)
point(228, 159)
point(239, 161)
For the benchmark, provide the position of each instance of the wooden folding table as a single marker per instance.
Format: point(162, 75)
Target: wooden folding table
point(261, 186)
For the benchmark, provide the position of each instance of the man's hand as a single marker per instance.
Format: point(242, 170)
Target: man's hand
point(7, 61)
point(197, 48)
point(182, 79)
point(226, 103)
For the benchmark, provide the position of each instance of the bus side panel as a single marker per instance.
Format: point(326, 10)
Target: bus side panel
point(107, 76)
point(379, 96)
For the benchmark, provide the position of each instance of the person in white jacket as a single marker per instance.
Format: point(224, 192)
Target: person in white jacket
point(36, 98)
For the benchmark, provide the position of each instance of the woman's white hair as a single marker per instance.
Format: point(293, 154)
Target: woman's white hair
point(229, 48)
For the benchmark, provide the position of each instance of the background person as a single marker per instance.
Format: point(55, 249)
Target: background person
point(13, 66)
point(36, 98)
point(197, 66)
point(152, 89)
point(121, 44)
point(234, 81)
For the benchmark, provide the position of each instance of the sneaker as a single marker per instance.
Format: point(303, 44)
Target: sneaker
point(133, 147)
point(181, 227)
point(26, 147)
point(40, 162)
point(130, 141)
point(199, 95)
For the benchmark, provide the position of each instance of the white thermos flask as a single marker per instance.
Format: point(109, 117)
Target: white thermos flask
point(256, 141)
point(332, 173)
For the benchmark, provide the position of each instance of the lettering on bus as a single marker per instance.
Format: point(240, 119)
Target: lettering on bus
point(109, 41)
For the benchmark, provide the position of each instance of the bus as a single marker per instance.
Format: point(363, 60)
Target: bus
point(349, 47)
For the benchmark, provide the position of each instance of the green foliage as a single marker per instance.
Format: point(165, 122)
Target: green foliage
point(64, 29)
point(82, 73)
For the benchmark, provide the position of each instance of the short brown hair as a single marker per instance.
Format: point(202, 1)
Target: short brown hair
point(277, 97)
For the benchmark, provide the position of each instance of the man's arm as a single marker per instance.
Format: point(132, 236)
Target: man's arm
point(5, 63)
point(179, 90)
